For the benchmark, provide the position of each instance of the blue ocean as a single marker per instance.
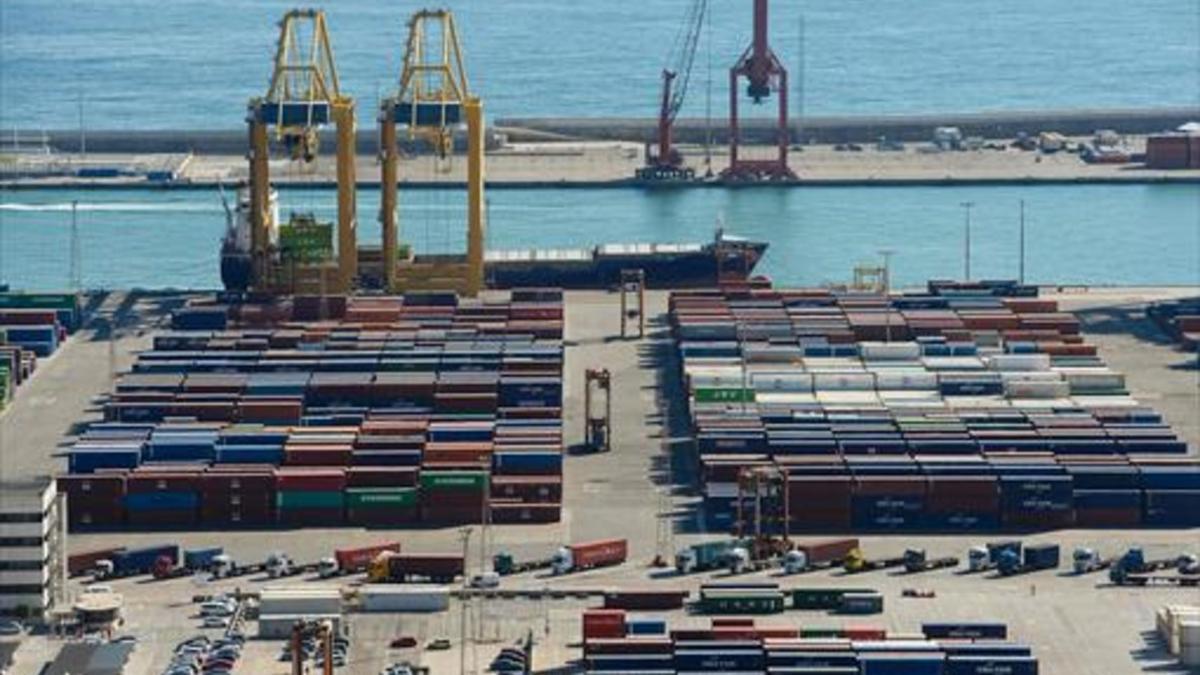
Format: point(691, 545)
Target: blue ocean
point(1075, 234)
point(139, 64)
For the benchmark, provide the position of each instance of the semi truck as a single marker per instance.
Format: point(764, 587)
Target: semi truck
point(401, 567)
point(982, 558)
point(916, 560)
point(134, 561)
point(194, 560)
point(353, 560)
point(576, 557)
point(710, 555)
point(818, 555)
point(505, 564)
point(1032, 559)
point(857, 562)
point(1135, 563)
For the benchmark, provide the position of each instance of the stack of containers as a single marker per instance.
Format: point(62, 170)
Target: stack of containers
point(163, 497)
point(310, 496)
point(737, 645)
point(439, 395)
point(991, 389)
point(94, 499)
point(238, 496)
point(1171, 492)
point(382, 496)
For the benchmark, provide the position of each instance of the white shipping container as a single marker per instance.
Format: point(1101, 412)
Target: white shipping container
point(721, 490)
point(952, 363)
point(890, 351)
point(279, 626)
point(404, 598)
point(786, 398)
point(777, 381)
point(1019, 362)
point(300, 601)
point(1036, 389)
point(1116, 401)
point(906, 380)
point(843, 382)
point(1094, 380)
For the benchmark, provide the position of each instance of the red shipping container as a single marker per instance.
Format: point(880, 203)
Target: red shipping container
point(78, 563)
point(864, 633)
point(317, 480)
point(101, 486)
point(96, 515)
point(1127, 517)
point(908, 486)
point(526, 513)
point(732, 623)
point(150, 481)
point(381, 476)
point(603, 623)
point(645, 600)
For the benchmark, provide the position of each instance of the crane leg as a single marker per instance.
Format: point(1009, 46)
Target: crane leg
point(387, 198)
point(347, 218)
point(475, 225)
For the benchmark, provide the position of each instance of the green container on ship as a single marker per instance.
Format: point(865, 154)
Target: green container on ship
point(309, 499)
point(381, 498)
point(467, 481)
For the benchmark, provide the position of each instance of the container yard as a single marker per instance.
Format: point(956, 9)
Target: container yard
point(385, 457)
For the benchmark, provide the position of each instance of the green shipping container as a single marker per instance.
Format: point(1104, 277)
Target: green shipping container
point(742, 603)
point(475, 481)
point(822, 598)
point(39, 301)
point(381, 498)
point(723, 395)
point(309, 499)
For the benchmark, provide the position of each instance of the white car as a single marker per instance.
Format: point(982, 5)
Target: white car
point(216, 622)
point(215, 608)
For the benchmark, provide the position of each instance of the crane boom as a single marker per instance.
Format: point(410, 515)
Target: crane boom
point(675, 79)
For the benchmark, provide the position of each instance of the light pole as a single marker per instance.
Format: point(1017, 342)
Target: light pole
point(465, 533)
point(967, 240)
point(887, 254)
point(1021, 274)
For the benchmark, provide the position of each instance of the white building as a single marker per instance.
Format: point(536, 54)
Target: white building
point(32, 541)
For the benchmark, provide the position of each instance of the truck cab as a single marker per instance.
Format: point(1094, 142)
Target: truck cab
point(278, 565)
point(222, 566)
point(739, 559)
point(327, 568)
point(1085, 560)
point(685, 561)
point(103, 569)
point(563, 560)
point(795, 561)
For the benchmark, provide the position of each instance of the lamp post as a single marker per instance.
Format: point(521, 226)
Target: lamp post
point(887, 254)
point(967, 240)
point(1021, 274)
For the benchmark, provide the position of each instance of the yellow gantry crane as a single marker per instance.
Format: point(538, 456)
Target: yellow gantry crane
point(303, 96)
point(432, 99)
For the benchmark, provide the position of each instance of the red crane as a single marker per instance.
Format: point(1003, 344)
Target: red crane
point(764, 72)
point(667, 164)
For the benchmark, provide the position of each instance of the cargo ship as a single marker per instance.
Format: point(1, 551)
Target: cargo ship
point(665, 265)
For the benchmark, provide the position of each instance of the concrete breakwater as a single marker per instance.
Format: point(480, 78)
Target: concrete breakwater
point(856, 129)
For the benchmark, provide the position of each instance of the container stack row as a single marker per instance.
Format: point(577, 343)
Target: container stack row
point(31, 326)
point(965, 407)
point(404, 411)
point(616, 643)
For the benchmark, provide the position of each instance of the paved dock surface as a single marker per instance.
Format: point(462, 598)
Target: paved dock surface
point(614, 163)
point(1077, 625)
